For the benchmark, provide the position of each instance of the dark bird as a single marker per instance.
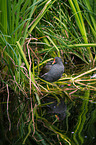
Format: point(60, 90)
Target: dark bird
point(55, 72)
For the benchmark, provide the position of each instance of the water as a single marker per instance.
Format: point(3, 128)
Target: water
point(71, 120)
point(78, 127)
point(84, 129)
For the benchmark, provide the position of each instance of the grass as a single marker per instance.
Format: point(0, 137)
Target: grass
point(32, 33)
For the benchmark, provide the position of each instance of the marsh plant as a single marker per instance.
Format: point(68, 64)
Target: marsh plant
point(32, 33)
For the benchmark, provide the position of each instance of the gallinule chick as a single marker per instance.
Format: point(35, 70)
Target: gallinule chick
point(55, 72)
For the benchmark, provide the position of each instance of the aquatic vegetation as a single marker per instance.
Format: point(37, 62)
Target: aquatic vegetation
point(32, 33)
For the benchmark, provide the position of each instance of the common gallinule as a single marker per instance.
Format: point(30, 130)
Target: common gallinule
point(55, 71)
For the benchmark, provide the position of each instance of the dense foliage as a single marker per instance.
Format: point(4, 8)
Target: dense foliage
point(32, 33)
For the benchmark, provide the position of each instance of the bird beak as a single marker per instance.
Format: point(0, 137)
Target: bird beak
point(53, 61)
